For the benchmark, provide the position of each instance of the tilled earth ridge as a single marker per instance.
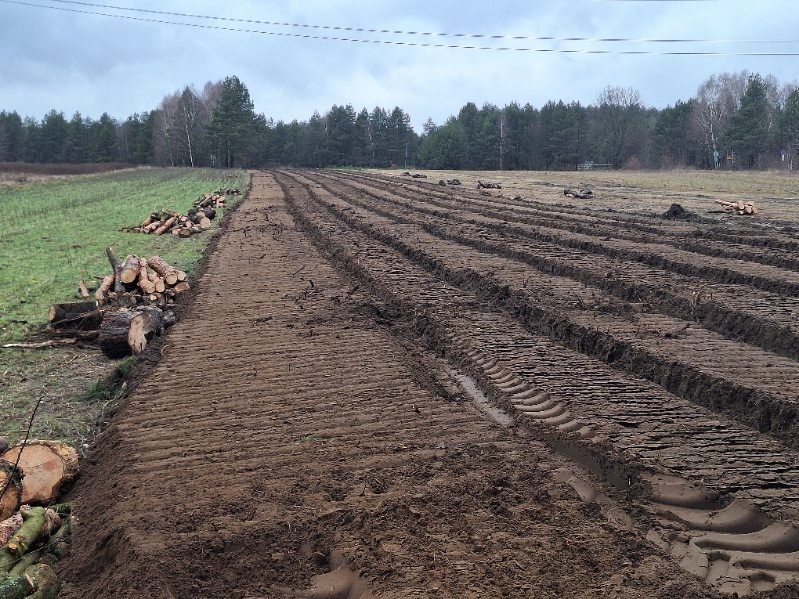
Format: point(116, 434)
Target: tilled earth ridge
point(312, 434)
point(741, 378)
point(649, 425)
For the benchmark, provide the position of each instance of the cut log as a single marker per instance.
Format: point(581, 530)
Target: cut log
point(205, 223)
point(62, 312)
point(116, 265)
point(166, 225)
point(209, 212)
point(130, 269)
point(181, 287)
point(44, 581)
point(105, 286)
point(166, 271)
point(15, 587)
point(159, 285)
point(182, 276)
point(11, 481)
point(185, 232)
point(45, 466)
point(144, 283)
point(83, 292)
point(120, 332)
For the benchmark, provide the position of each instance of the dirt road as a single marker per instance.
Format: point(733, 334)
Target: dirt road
point(387, 389)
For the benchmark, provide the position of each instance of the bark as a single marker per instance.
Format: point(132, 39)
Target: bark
point(45, 466)
point(32, 523)
point(9, 526)
point(83, 292)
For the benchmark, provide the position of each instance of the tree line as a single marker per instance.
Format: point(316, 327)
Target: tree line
point(735, 120)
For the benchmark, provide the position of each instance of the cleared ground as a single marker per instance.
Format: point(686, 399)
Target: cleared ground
point(55, 232)
point(775, 192)
point(461, 394)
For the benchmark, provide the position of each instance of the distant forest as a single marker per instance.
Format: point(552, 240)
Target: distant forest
point(736, 120)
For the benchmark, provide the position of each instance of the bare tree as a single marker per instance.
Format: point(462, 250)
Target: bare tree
point(717, 99)
point(617, 107)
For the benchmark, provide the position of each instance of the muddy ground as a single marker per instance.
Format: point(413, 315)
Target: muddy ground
point(393, 388)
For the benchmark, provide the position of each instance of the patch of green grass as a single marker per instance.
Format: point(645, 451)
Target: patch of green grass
point(109, 388)
point(55, 233)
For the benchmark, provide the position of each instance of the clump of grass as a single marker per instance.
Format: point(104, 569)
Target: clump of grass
point(111, 387)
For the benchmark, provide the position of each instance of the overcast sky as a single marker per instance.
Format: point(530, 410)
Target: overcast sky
point(68, 61)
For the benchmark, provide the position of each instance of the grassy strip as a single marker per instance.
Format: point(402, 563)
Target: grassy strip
point(55, 233)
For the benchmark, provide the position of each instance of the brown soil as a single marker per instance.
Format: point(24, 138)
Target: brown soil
point(299, 421)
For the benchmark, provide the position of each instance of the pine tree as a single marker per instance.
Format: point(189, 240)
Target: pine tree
point(232, 125)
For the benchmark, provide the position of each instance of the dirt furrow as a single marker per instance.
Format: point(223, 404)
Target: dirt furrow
point(374, 268)
point(765, 319)
point(641, 346)
point(602, 395)
point(659, 255)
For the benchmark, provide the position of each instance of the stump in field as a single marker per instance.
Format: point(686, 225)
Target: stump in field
point(45, 465)
point(11, 481)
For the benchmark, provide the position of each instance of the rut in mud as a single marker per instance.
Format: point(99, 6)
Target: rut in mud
point(325, 448)
point(422, 393)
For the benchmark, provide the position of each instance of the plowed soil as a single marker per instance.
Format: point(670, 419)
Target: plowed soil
point(397, 390)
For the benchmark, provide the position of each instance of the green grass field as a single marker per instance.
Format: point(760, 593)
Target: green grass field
point(55, 233)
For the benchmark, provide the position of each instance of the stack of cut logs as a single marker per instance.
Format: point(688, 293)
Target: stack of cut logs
point(739, 207)
point(34, 532)
point(414, 175)
point(136, 280)
point(168, 221)
point(580, 194)
point(129, 307)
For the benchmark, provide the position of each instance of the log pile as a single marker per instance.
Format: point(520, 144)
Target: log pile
point(488, 184)
point(739, 207)
point(579, 194)
point(444, 183)
point(34, 533)
point(414, 175)
point(129, 308)
point(196, 220)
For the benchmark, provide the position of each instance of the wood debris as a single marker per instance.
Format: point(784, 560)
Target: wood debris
point(579, 194)
point(739, 207)
point(488, 184)
point(130, 306)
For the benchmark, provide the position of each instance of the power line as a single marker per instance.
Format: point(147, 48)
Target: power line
point(406, 43)
point(435, 33)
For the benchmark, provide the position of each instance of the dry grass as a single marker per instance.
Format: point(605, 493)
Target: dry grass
point(775, 192)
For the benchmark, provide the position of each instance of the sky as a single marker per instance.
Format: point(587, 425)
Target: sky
point(93, 63)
